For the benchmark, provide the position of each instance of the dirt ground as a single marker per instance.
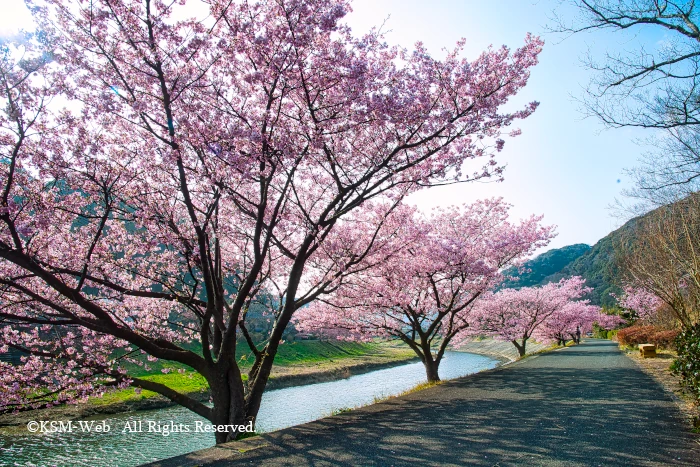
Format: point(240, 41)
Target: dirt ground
point(659, 368)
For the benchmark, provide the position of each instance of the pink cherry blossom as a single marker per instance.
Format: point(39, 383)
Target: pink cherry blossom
point(161, 178)
point(574, 319)
point(516, 315)
point(643, 303)
point(424, 292)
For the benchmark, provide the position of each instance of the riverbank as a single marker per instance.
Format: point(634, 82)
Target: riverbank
point(500, 350)
point(299, 363)
point(120, 446)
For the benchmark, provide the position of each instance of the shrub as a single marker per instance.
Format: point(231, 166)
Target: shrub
point(664, 339)
point(635, 335)
point(687, 365)
point(599, 332)
point(602, 333)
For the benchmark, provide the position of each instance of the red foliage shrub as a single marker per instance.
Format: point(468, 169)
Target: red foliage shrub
point(635, 335)
point(665, 339)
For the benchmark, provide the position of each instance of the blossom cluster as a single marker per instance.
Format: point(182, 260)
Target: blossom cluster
point(160, 177)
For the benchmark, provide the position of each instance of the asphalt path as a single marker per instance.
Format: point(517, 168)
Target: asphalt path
point(587, 405)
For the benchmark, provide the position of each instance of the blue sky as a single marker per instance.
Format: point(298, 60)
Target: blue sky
point(563, 166)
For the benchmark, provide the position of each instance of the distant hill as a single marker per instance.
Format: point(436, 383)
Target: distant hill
point(546, 267)
point(596, 264)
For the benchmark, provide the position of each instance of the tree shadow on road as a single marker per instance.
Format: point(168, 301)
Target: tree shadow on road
point(545, 411)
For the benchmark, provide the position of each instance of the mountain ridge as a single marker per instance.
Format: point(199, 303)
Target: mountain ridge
point(594, 263)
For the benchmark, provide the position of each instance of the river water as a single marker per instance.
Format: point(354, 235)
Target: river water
point(123, 446)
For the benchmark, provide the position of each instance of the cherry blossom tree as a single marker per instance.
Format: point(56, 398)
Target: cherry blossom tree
point(609, 321)
point(423, 294)
point(572, 320)
point(515, 315)
point(643, 303)
point(160, 175)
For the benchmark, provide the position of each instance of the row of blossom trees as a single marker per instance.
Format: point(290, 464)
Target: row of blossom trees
point(547, 313)
point(656, 87)
point(159, 175)
point(437, 289)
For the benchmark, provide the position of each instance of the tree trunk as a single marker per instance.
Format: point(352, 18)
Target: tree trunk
point(229, 403)
point(256, 387)
point(520, 347)
point(431, 364)
point(431, 370)
point(232, 405)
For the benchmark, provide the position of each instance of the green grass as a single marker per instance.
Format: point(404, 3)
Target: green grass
point(417, 388)
point(189, 381)
point(341, 410)
point(304, 352)
point(420, 387)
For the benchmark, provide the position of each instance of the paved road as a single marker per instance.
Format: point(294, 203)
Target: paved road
point(587, 405)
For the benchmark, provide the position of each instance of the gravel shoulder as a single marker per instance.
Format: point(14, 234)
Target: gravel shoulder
point(659, 369)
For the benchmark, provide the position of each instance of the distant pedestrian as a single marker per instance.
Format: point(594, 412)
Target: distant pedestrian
point(578, 334)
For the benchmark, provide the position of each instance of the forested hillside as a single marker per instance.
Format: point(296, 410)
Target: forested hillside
point(596, 264)
point(547, 267)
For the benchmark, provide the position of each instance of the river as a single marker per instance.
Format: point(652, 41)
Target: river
point(280, 409)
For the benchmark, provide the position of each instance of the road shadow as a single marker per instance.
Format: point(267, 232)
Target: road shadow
point(582, 406)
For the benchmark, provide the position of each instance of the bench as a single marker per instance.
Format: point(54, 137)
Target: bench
point(647, 350)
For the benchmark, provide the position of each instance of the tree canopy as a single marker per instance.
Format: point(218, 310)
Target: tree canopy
point(159, 174)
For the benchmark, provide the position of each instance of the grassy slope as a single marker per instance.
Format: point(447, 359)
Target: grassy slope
point(295, 354)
